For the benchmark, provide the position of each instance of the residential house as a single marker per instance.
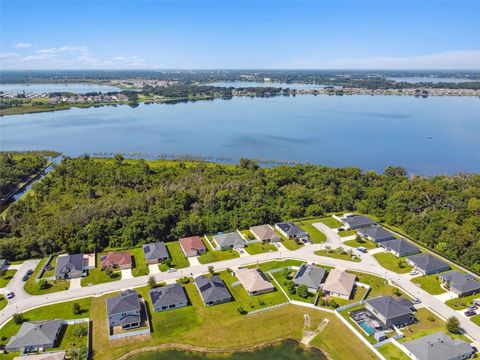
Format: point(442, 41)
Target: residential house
point(427, 264)
point(229, 241)
point(122, 259)
point(254, 281)
point(399, 247)
point(69, 266)
point(291, 231)
point(168, 297)
point(376, 233)
point(352, 222)
point(311, 276)
point(460, 284)
point(339, 283)
point(33, 336)
point(212, 290)
point(192, 246)
point(155, 253)
point(438, 346)
point(124, 310)
point(391, 312)
point(265, 233)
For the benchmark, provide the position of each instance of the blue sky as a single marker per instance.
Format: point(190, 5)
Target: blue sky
point(239, 34)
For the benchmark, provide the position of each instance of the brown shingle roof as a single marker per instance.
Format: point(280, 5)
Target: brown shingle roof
point(119, 258)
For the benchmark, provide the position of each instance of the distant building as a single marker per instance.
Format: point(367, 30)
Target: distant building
point(438, 346)
point(212, 290)
point(265, 233)
point(399, 247)
point(155, 253)
point(290, 230)
point(122, 259)
point(339, 283)
point(390, 312)
point(376, 233)
point(192, 246)
point(124, 310)
point(460, 284)
point(254, 281)
point(69, 266)
point(428, 264)
point(357, 222)
point(168, 297)
point(311, 276)
point(229, 241)
point(33, 336)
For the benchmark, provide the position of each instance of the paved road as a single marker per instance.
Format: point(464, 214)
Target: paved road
point(24, 302)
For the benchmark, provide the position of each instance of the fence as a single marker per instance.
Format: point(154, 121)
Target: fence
point(42, 270)
point(267, 308)
point(134, 332)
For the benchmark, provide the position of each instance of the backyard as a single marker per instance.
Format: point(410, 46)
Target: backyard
point(391, 352)
point(139, 264)
point(392, 263)
point(429, 283)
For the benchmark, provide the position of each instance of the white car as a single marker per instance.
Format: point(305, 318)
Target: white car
point(171, 270)
point(241, 251)
point(9, 294)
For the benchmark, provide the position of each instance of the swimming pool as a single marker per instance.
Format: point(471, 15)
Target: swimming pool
point(366, 327)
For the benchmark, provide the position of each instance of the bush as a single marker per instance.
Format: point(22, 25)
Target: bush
point(291, 287)
point(43, 284)
point(453, 325)
point(241, 310)
point(18, 318)
point(80, 331)
point(151, 282)
point(302, 291)
point(76, 309)
point(184, 280)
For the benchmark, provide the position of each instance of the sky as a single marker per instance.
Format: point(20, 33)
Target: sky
point(238, 34)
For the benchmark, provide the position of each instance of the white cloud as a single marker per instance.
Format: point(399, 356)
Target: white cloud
point(21, 45)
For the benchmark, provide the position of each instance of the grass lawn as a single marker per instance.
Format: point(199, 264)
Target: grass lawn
point(427, 323)
point(5, 279)
point(330, 222)
point(391, 262)
point(336, 255)
point(217, 255)
point(3, 302)
point(347, 233)
point(429, 283)
point(51, 272)
point(32, 288)
point(281, 279)
point(290, 244)
point(391, 352)
point(476, 319)
point(69, 340)
point(99, 276)
point(463, 302)
point(366, 244)
point(248, 234)
point(358, 293)
point(267, 266)
point(223, 327)
point(315, 235)
point(178, 258)
point(378, 285)
point(258, 248)
point(139, 265)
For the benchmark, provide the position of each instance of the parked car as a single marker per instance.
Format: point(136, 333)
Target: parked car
point(341, 229)
point(416, 301)
point(9, 294)
point(362, 249)
point(277, 245)
point(470, 313)
point(172, 270)
point(472, 307)
point(413, 272)
point(29, 272)
point(25, 277)
point(241, 251)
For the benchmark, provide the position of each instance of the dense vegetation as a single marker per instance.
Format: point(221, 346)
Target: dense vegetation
point(90, 204)
point(17, 167)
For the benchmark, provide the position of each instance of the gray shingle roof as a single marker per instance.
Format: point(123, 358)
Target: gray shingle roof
point(428, 263)
point(376, 233)
point(462, 282)
point(71, 265)
point(401, 247)
point(438, 346)
point(291, 229)
point(212, 289)
point(125, 302)
point(33, 334)
point(168, 295)
point(155, 251)
point(229, 239)
point(358, 221)
point(389, 307)
point(309, 275)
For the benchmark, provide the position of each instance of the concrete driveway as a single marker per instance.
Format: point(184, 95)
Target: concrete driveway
point(127, 274)
point(445, 296)
point(14, 267)
point(75, 283)
point(193, 261)
point(376, 251)
point(333, 239)
point(152, 269)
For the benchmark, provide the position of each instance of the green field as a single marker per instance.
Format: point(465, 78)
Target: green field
point(267, 266)
point(347, 233)
point(315, 235)
point(5, 278)
point(330, 222)
point(392, 263)
point(98, 275)
point(217, 255)
point(336, 255)
point(463, 302)
point(378, 285)
point(476, 319)
point(281, 279)
point(366, 244)
point(139, 265)
point(51, 272)
point(178, 258)
point(258, 248)
point(3, 302)
point(391, 352)
point(429, 283)
point(32, 287)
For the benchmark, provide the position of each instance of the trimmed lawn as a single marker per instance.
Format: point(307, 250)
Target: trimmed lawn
point(281, 279)
point(139, 265)
point(32, 288)
point(99, 276)
point(476, 319)
point(347, 233)
point(391, 352)
point(217, 255)
point(336, 255)
point(5, 279)
point(178, 258)
point(51, 272)
point(69, 340)
point(378, 285)
point(358, 293)
point(391, 262)
point(330, 222)
point(223, 327)
point(290, 244)
point(3, 302)
point(248, 234)
point(429, 283)
point(366, 244)
point(315, 235)
point(258, 248)
point(463, 302)
point(267, 266)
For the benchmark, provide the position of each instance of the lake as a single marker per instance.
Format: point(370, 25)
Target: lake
point(286, 351)
point(425, 135)
point(78, 88)
point(247, 84)
point(425, 79)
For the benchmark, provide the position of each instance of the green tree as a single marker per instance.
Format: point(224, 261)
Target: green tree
point(18, 318)
point(76, 308)
point(80, 331)
point(43, 284)
point(302, 291)
point(151, 282)
point(453, 325)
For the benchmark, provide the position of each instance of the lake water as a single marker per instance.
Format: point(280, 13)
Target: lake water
point(434, 80)
point(78, 88)
point(247, 84)
point(285, 351)
point(426, 136)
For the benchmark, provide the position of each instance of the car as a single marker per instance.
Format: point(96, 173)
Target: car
point(413, 272)
point(172, 270)
point(241, 251)
point(362, 249)
point(340, 229)
point(2, 347)
point(277, 245)
point(29, 272)
point(25, 277)
point(416, 301)
point(470, 313)
point(472, 307)
point(9, 294)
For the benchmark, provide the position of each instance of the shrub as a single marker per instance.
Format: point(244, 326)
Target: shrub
point(18, 318)
point(453, 325)
point(43, 284)
point(76, 309)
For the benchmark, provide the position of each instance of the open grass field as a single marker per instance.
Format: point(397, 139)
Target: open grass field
point(392, 263)
point(391, 352)
point(330, 222)
point(139, 265)
point(99, 276)
point(258, 248)
point(32, 287)
point(178, 258)
point(429, 283)
point(315, 235)
point(366, 244)
point(378, 285)
point(463, 302)
point(217, 255)
point(5, 279)
point(336, 255)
